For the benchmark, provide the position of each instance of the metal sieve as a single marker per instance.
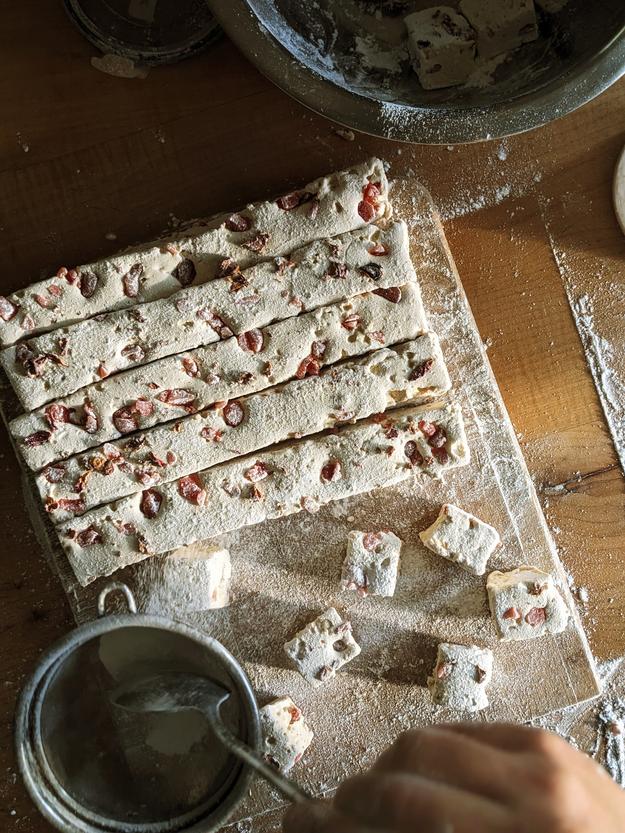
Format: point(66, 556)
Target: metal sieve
point(90, 766)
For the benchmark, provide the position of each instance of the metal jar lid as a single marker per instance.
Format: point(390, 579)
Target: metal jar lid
point(91, 767)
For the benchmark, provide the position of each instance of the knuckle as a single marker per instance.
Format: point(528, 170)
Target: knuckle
point(547, 745)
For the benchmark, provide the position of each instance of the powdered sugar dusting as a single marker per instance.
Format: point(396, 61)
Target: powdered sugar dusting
point(604, 358)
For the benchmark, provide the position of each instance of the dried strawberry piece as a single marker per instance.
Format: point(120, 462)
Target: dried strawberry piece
point(57, 414)
point(89, 536)
point(536, 616)
point(147, 475)
point(377, 335)
point(211, 434)
point(512, 613)
point(183, 305)
point(317, 349)
point(233, 413)
point(420, 370)
point(338, 270)
point(131, 280)
point(366, 211)
point(150, 503)
point(238, 281)
point(372, 192)
point(308, 367)
point(191, 489)
point(413, 454)
point(54, 473)
point(255, 493)
point(257, 472)
point(351, 322)
point(44, 302)
point(283, 263)
point(75, 505)
point(125, 420)
point(257, 243)
point(134, 353)
point(24, 353)
point(296, 198)
point(439, 438)
point(71, 276)
point(170, 457)
point(215, 322)
point(81, 482)
point(7, 308)
point(443, 669)
point(313, 208)
point(190, 366)
point(55, 290)
point(427, 428)
point(295, 713)
point(371, 270)
point(110, 452)
point(27, 323)
point(237, 222)
point(371, 541)
point(185, 272)
point(392, 294)
point(324, 673)
point(227, 268)
point(378, 250)
point(101, 371)
point(309, 505)
point(90, 421)
point(143, 545)
point(252, 341)
point(331, 471)
point(161, 464)
point(88, 283)
point(176, 396)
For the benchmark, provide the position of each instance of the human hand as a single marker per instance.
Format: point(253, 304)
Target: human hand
point(471, 778)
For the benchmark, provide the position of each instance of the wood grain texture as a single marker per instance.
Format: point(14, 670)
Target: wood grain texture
point(107, 155)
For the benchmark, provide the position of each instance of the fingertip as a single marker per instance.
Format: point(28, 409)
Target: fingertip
point(305, 817)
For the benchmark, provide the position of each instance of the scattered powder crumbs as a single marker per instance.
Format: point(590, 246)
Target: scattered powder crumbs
point(601, 355)
point(375, 56)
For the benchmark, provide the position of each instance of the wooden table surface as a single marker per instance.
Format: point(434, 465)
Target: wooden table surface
point(90, 163)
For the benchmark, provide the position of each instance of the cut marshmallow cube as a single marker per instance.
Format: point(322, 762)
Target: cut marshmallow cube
point(442, 47)
point(460, 677)
point(525, 604)
point(501, 25)
point(286, 736)
point(462, 538)
point(372, 563)
point(189, 579)
point(322, 647)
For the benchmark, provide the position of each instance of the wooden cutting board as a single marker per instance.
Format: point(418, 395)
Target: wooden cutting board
point(286, 572)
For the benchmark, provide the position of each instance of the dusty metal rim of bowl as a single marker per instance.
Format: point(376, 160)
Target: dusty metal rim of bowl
point(414, 124)
point(61, 815)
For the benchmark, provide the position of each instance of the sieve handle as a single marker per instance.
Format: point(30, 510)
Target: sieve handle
point(288, 788)
point(112, 587)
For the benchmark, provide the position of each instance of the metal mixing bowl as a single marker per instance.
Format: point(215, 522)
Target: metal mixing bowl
point(307, 47)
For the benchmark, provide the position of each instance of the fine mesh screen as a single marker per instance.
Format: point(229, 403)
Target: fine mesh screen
point(129, 767)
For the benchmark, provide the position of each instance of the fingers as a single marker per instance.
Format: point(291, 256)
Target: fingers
point(322, 817)
point(411, 804)
point(451, 758)
point(508, 736)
